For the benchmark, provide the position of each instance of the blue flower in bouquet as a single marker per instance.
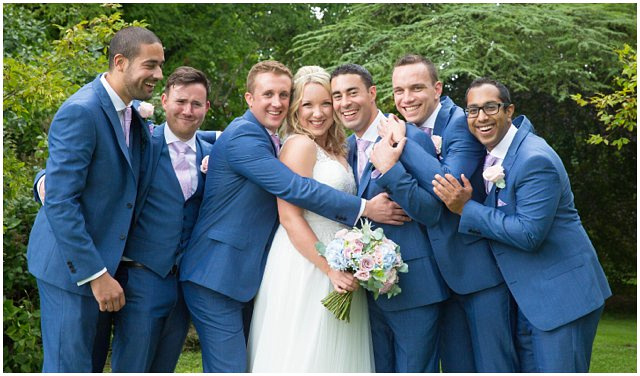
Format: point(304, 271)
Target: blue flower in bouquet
point(335, 256)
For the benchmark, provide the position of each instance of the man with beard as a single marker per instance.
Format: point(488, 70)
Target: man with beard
point(98, 151)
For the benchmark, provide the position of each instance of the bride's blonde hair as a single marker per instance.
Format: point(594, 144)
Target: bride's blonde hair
point(335, 134)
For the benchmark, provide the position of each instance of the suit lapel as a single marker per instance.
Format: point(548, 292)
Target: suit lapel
point(352, 157)
point(114, 120)
point(157, 145)
point(366, 175)
point(248, 115)
point(199, 157)
point(443, 116)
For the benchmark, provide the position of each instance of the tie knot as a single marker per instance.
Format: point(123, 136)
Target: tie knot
point(362, 144)
point(180, 147)
point(127, 115)
point(489, 160)
point(427, 130)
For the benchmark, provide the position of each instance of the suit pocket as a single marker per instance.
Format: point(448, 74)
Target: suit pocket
point(236, 240)
point(563, 267)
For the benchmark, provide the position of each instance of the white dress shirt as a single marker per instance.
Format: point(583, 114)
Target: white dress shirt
point(500, 151)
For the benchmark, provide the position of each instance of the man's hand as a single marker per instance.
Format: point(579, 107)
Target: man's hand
point(108, 293)
point(382, 210)
point(454, 195)
point(393, 125)
point(384, 155)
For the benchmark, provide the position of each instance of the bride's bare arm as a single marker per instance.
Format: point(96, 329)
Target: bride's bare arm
point(299, 154)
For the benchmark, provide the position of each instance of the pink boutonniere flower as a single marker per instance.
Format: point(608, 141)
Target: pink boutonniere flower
point(495, 174)
point(437, 142)
point(204, 166)
point(145, 109)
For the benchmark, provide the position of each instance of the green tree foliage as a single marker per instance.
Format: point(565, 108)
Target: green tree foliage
point(39, 74)
point(552, 48)
point(225, 40)
point(618, 111)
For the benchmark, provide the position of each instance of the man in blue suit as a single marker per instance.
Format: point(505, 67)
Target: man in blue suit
point(165, 213)
point(404, 328)
point(535, 233)
point(225, 259)
point(478, 317)
point(98, 153)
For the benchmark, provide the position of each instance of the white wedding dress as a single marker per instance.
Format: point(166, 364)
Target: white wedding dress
point(291, 331)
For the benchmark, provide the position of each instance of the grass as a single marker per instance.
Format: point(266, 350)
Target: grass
point(614, 349)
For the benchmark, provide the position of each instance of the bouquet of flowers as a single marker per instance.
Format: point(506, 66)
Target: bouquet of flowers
point(372, 258)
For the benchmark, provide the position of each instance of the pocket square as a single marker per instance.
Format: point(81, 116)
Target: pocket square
point(501, 203)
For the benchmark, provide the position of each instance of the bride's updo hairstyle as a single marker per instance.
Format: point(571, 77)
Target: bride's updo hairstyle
point(335, 135)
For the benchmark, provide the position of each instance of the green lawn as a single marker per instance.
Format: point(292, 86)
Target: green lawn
point(614, 350)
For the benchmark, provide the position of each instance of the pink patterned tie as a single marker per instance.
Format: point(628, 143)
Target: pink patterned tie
point(276, 143)
point(127, 123)
point(362, 156)
point(181, 167)
point(489, 160)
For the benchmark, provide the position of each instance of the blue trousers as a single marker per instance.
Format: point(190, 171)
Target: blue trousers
point(564, 349)
point(69, 324)
point(406, 340)
point(150, 330)
point(478, 332)
point(219, 322)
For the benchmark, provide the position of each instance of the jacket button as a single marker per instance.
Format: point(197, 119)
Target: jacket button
point(123, 236)
point(129, 205)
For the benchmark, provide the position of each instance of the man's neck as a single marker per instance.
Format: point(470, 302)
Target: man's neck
point(117, 87)
point(374, 115)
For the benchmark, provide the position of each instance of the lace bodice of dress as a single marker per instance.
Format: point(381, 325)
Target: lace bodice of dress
point(331, 172)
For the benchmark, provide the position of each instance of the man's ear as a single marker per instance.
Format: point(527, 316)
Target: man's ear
point(248, 97)
point(120, 62)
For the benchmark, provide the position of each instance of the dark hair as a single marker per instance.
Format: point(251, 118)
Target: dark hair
point(418, 59)
point(266, 66)
point(187, 76)
point(127, 42)
point(504, 95)
point(354, 69)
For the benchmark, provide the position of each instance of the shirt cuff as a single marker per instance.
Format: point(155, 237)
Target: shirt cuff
point(38, 188)
point(98, 274)
point(363, 202)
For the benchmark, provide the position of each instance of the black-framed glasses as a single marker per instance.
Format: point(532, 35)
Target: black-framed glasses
point(490, 108)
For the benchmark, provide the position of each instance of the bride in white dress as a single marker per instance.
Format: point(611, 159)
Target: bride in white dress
point(291, 331)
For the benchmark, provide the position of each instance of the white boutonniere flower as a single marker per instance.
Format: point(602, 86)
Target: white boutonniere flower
point(495, 174)
point(437, 142)
point(204, 166)
point(145, 109)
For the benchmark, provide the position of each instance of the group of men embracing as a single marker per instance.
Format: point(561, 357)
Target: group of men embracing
point(144, 228)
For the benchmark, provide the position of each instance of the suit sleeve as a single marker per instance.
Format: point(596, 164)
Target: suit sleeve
point(405, 190)
point(463, 155)
point(525, 226)
point(251, 155)
point(72, 139)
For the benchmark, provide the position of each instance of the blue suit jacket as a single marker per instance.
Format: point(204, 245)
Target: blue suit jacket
point(465, 260)
point(163, 220)
point(423, 284)
point(535, 233)
point(92, 180)
point(238, 216)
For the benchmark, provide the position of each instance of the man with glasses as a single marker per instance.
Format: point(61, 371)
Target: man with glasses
point(535, 233)
point(477, 335)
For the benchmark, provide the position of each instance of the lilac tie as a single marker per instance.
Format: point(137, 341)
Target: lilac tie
point(276, 142)
point(127, 123)
point(181, 167)
point(489, 160)
point(362, 156)
point(427, 130)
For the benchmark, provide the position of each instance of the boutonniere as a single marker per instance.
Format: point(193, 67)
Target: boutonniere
point(495, 174)
point(145, 109)
point(204, 166)
point(437, 142)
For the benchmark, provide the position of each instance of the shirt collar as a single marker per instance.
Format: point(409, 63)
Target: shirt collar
point(118, 103)
point(502, 148)
point(431, 120)
point(170, 138)
point(372, 132)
